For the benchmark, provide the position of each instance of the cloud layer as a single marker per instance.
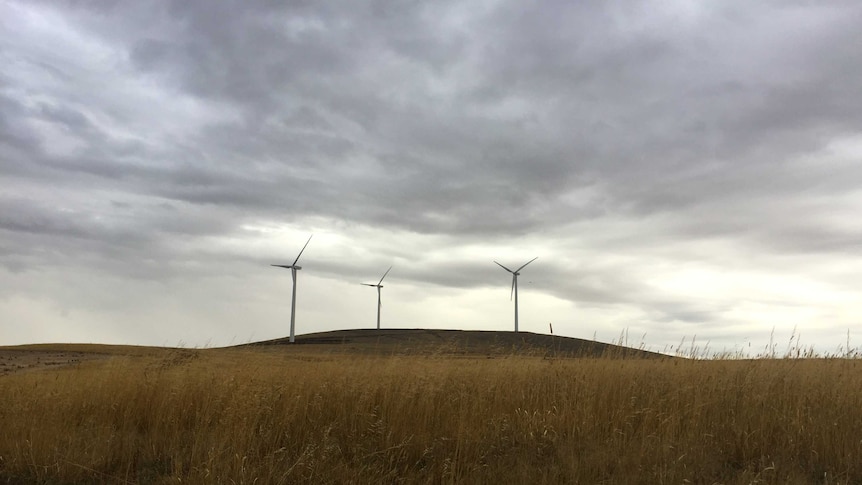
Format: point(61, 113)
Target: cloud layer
point(680, 170)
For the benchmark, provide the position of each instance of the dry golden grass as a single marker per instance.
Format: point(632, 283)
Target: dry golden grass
point(263, 416)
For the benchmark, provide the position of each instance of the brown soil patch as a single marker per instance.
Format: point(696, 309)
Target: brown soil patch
point(15, 360)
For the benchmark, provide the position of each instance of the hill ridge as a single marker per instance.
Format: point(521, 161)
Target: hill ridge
point(445, 341)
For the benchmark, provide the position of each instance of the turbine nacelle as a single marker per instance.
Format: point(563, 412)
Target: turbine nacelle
point(286, 266)
point(517, 272)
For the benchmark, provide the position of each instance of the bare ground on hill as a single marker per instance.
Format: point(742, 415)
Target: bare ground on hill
point(27, 360)
point(458, 343)
point(23, 358)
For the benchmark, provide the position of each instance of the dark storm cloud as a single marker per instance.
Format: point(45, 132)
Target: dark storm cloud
point(16, 142)
point(105, 226)
point(453, 160)
point(467, 163)
point(129, 128)
point(636, 106)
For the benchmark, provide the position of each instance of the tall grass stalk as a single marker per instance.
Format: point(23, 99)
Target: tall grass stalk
point(257, 416)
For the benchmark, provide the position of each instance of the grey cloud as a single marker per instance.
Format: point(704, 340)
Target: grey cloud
point(14, 138)
point(490, 123)
point(71, 119)
point(460, 168)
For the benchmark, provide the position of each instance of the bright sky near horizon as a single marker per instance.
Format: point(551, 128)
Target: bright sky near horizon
point(681, 169)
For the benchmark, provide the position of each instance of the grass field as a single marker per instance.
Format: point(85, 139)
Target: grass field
point(294, 414)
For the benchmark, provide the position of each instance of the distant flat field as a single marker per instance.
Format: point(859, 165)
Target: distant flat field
point(44, 356)
point(384, 342)
point(18, 360)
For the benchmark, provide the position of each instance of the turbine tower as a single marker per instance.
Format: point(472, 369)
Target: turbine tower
point(515, 285)
point(379, 286)
point(293, 269)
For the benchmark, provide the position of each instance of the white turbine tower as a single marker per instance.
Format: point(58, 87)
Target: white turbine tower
point(293, 269)
point(379, 286)
point(515, 285)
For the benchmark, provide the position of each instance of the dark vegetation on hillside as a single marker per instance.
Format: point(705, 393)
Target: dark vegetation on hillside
point(458, 342)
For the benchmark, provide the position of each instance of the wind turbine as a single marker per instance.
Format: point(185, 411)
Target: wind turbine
point(378, 286)
point(293, 269)
point(515, 285)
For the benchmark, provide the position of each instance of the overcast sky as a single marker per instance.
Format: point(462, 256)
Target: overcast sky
point(683, 170)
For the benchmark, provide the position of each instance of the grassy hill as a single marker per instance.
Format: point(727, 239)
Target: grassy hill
point(415, 341)
point(361, 342)
point(457, 342)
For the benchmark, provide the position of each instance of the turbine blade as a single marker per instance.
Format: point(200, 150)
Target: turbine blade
point(514, 279)
point(507, 269)
point(525, 264)
point(281, 266)
point(303, 249)
point(384, 275)
point(367, 284)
